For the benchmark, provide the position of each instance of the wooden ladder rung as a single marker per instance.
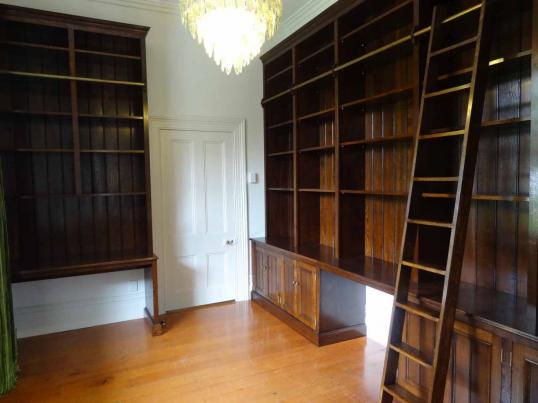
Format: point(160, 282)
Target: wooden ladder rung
point(447, 91)
point(412, 353)
point(453, 133)
point(431, 223)
point(418, 310)
point(397, 392)
point(454, 47)
point(436, 178)
point(428, 268)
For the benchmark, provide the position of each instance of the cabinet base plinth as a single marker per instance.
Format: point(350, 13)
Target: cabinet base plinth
point(319, 339)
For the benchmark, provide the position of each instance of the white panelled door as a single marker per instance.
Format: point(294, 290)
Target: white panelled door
point(200, 239)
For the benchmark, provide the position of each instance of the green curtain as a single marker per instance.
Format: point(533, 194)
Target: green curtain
point(8, 347)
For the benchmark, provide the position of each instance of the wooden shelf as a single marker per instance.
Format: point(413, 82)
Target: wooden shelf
point(280, 189)
point(306, 190)
point(38, 150)
point(66, 49)
point(436, 178)
point(96, 151)
point(373, 193)
point(280, 154)
point(313, 80)
point(316, 114)
point(378, 19)
point(37, 113)
point(318, 148)
point(277, 96)
point(69, 114)
point(278, 74)
point(374, 99)
point(505, 122)
point(107, 54)
point(492, 63)
point(281, 124)
point(509, 58)
point(35, 45)
point(373, 141)
point(67, 195)
point(70, 78)
point(117, 117)
point(317, 52)
point(508, 198)
point(67, 150)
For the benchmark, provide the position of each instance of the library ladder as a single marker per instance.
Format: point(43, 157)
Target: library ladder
point(440, 191)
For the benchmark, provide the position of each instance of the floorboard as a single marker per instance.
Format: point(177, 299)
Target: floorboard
point(228, 353)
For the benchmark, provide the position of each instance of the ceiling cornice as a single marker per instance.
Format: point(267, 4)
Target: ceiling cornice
point(159, 6)
point(288, 26)
point(299, 18)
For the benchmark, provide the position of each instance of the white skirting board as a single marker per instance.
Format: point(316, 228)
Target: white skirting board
point(50, 306)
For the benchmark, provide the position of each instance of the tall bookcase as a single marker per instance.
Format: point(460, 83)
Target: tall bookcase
point(74, 146)
point(341, 102)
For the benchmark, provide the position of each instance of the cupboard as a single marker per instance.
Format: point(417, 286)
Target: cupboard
point(319, 305)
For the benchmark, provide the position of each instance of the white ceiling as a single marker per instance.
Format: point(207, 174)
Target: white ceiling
point(291, 6)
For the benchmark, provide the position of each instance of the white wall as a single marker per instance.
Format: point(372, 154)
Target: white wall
point(182, 80)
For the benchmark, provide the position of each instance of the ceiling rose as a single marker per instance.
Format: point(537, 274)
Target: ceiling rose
point(232, 31)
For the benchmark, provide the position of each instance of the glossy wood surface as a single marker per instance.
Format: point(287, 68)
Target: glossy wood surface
point(229, 353)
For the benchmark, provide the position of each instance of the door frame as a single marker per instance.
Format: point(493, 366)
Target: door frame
point(234, 126)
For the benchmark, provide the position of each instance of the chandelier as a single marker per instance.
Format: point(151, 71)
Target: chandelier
point(232, 31)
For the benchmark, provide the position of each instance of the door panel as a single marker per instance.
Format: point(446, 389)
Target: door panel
point(524, 374)
point(198, 179)
point(260, 275)
point(288, 286)
point(306, 278)
point(273, 277)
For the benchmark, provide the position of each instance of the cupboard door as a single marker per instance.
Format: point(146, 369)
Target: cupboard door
point(306, 284)
point(524, 374)
point(474, 373)
point(273, 277)
point(288, 286)
point(260, 280)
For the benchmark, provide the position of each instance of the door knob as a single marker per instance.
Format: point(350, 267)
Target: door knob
point(229, 242)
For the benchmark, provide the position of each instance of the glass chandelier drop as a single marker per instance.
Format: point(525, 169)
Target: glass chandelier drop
point(232, 31)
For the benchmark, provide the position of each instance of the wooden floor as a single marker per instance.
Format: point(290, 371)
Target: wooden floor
point(228, 353)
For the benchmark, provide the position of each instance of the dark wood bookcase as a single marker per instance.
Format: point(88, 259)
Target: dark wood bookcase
point(74, 146)
point(341, 101)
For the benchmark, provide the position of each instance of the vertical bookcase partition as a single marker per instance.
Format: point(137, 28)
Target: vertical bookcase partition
point(74, 146)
